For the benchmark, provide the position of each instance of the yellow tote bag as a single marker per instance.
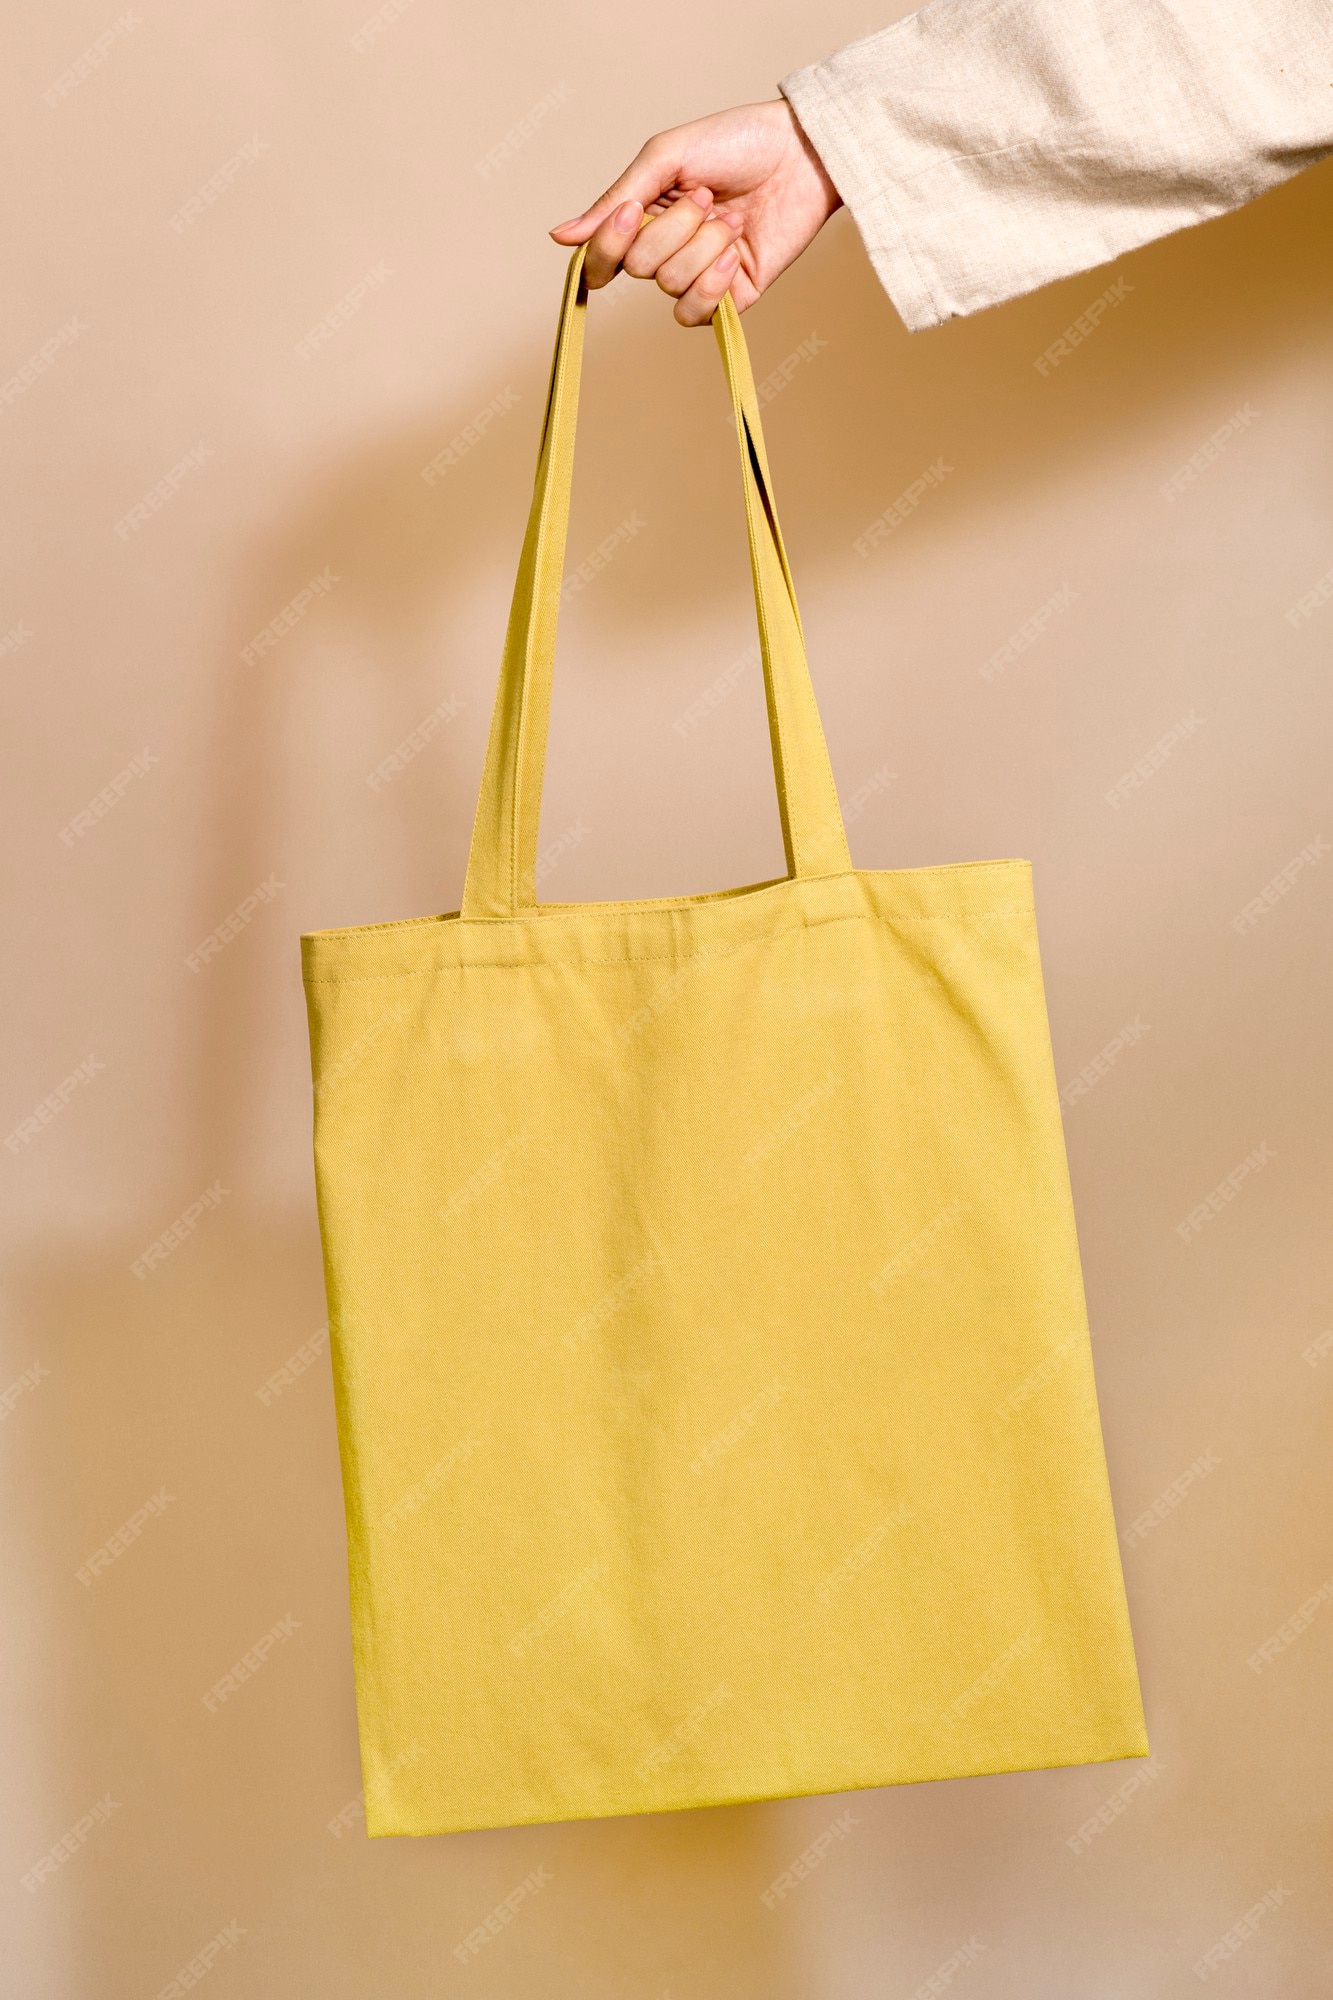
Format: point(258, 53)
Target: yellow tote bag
point(714, 1387)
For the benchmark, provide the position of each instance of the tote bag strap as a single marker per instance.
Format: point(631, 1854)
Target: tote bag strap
point(502, 863)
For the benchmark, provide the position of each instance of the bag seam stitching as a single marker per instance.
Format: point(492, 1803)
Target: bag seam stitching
point(659, 958)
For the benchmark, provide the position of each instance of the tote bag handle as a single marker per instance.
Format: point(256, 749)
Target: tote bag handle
point(502, 862)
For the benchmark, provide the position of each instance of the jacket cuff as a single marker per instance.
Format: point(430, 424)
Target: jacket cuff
point(867, 190)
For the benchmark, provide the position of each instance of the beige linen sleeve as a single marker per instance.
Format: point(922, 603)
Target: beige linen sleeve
point(985, 147)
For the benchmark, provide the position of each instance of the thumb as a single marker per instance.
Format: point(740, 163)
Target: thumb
point(649, 174)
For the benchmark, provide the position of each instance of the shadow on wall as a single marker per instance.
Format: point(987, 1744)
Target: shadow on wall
point(868, 414)
point(165, 1391)
point(876, 408)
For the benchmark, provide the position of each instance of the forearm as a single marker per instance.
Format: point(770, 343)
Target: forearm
point(986, 147)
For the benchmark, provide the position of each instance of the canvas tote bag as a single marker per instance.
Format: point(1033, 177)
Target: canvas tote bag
point(714, 1388)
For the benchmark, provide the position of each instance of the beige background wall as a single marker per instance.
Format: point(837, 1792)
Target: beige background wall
point(120, 1388)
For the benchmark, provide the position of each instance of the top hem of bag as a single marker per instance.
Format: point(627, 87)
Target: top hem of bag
point(946, 892)
point(540, 912)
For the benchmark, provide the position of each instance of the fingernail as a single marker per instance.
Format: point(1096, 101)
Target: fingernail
point(729, 259)
point(627, 215)
point(565, 225)
point(704, 197)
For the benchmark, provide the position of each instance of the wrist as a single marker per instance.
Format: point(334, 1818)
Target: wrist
point(814, 165)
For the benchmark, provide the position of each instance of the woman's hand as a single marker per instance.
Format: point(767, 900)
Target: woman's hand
point(728, 201)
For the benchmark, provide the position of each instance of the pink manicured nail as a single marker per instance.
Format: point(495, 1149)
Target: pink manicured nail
point(627, 215)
